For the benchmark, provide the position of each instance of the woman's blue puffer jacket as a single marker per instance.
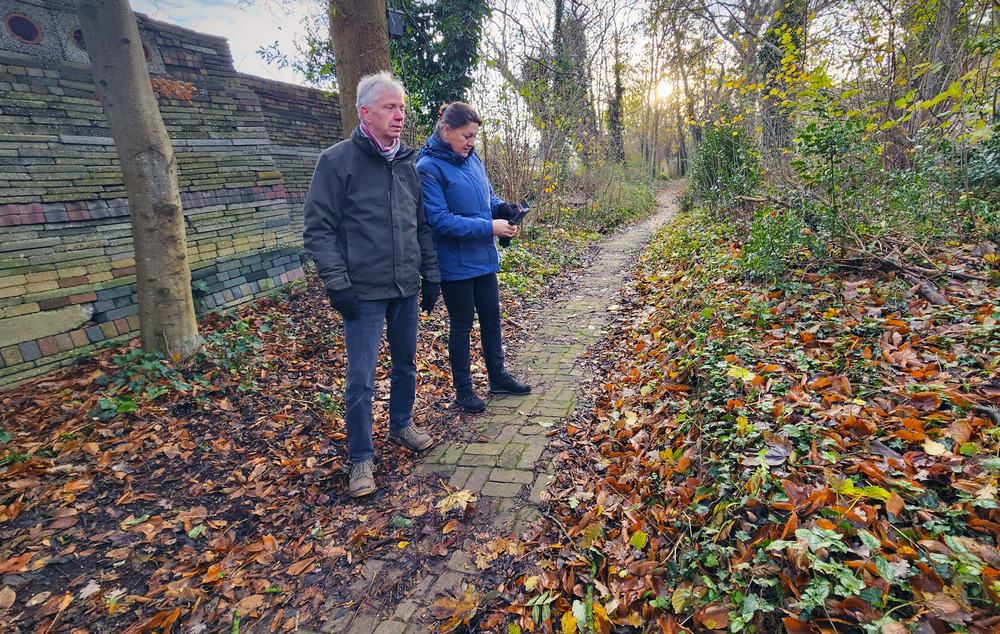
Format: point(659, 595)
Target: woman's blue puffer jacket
point(460, 206)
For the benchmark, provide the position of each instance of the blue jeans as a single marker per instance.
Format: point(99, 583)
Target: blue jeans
point(464, 299)
point(362, 338)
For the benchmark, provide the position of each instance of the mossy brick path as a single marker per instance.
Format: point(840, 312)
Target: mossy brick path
point(504, 461)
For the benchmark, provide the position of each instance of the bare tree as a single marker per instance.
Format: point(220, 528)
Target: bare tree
point(166, 307)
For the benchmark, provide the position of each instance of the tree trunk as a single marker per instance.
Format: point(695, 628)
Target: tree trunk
point(166, 307)
point(616, 123)
point(360, 40)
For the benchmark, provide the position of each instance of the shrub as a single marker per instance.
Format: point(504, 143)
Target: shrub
point(774, 235)
point(727, 165)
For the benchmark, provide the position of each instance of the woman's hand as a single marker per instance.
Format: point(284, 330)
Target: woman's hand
point(503, 229)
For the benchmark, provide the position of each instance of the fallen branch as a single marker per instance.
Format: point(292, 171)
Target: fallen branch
point(988, 412)
point(763, 199)
point(927, 290)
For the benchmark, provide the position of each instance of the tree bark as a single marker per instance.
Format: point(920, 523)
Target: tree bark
point(360, 40)
point(166, 307)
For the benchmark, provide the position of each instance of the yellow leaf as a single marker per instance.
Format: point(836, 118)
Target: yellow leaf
point(680, 598)
point(402, 545)
point(568, 623)
point(600, 615)
point(742, 425)
point(933, 448)
point(458, 500)
point(531, 583)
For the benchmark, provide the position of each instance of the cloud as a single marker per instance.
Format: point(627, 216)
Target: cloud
point(247, 28)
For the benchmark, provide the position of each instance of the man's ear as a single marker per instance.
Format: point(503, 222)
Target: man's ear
point(364, 114)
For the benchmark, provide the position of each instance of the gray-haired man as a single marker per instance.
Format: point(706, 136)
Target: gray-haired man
point(366, 231)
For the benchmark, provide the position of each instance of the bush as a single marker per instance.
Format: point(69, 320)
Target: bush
point(773, 237)
point(604, 196)
point(727, 164)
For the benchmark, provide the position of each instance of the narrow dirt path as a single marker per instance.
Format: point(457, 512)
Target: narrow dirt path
point(504, 463)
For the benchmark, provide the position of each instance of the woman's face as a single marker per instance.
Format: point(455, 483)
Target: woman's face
point(461, 140)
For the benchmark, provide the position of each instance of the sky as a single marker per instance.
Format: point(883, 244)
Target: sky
point(246, 27)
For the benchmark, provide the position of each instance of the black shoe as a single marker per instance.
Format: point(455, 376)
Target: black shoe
point(467, 399)
point(506, 384)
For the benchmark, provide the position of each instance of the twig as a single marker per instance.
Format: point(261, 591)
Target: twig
point(559, 524)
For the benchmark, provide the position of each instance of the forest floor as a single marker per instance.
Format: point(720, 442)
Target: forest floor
point(700, 452)
point(141, 497)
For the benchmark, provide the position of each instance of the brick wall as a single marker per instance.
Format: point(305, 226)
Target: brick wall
point(245, 148)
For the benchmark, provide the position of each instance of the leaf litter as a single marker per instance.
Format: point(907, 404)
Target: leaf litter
point(816, 455)
point(139, 495)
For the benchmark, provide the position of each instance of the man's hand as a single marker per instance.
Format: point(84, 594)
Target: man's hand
point(344, 301)
point(429, 292)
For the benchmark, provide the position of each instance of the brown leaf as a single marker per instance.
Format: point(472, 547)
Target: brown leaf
point(714, 616)
point(959, 431)
point(7, 597)
point(301, 566)
point(456, 611)
point(925, 401)
point(119, 553)
point(450, 526)
point(895, 504)
point(251, 603)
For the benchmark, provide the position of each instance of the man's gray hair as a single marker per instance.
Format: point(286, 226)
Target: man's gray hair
point(371, 88)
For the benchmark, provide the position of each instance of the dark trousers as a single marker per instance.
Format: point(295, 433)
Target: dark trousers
point(362, 339)
point(465, 299)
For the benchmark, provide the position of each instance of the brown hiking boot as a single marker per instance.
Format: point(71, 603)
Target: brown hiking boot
point(412, 438)
point(362, 479)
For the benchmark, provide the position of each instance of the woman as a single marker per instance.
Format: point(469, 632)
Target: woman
point(465, 217)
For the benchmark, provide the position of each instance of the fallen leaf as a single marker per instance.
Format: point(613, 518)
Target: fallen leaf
point(301, 566)
point(7, 597)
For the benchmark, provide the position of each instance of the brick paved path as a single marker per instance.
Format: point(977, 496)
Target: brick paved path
point(501, 461)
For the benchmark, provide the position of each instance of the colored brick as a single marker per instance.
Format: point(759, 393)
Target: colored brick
point(52, 304)
point(48, 346)
point(83, 298)
point(11, 291)
point(44, 276)
point(79, 338)
point(64, 342)
point(29, 350)
point(122, 326)
point(66, 282)
point(41, 287)
point(11, 355)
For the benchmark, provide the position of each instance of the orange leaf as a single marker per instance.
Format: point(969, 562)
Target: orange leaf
point(16, 563)
point(895, 504)
point(449, 527)
point(793, 523)
point(795, 626)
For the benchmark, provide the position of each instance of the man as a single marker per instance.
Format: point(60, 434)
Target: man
point(366, 231)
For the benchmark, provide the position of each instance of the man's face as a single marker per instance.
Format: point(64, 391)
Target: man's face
point(385, 117)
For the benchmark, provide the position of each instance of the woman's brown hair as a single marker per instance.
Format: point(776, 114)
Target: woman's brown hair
point(455, 115)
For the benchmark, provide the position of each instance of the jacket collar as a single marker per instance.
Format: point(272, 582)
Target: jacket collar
point(362, 140)
point(437, 148)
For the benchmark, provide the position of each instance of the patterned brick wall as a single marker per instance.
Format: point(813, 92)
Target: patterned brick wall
point(245, 149)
